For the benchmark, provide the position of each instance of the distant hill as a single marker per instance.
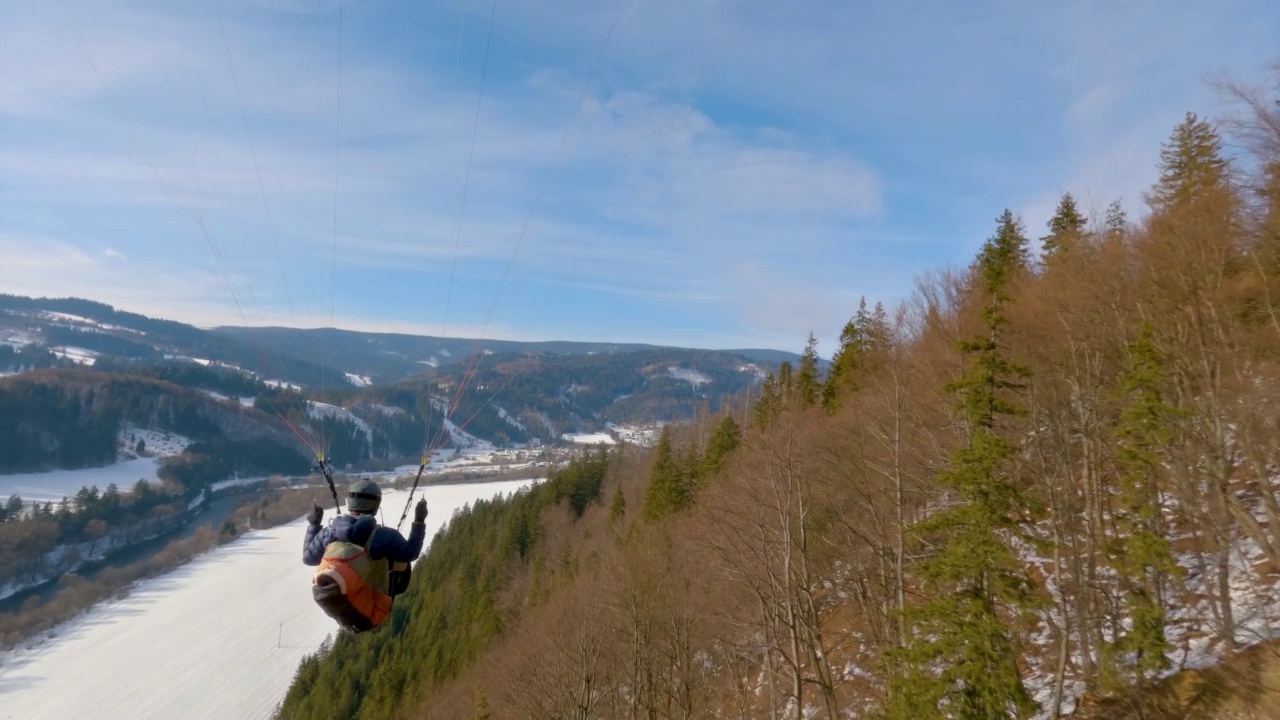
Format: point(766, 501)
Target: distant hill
point(545, 394)
point(77, 418)
point(82, 331)
point(384, 357)
point(373, 399)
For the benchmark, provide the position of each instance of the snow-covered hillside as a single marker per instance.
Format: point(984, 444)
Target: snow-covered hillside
point(155, 443)
point(57, 484)
point(243, 400)
point(319, 410)
point(218, 638)
point(75, 354)
point(511, 419)
point(693, 377)
point(132, 467)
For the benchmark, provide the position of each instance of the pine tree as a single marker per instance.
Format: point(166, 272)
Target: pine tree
point(689, 469)
point(1139, 552)
point(863, 337)
point(1066, 227)
point(845, 363)
point(666, 492)
point(1191, 164)
point(724, 439)
point(769, 404)
point(1116, 220)
point(960, 661)
point(618, 507)
point(786, 382)
point(808, 387)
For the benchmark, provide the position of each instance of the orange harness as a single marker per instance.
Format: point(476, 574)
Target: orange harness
point(340, 586)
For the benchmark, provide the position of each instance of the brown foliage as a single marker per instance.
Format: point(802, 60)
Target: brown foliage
point(780, 590)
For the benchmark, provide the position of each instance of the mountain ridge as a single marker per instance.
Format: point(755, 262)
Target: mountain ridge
point(345, 356)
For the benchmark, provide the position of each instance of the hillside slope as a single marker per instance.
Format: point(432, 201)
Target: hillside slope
point(42, 332)
point(1039, 489)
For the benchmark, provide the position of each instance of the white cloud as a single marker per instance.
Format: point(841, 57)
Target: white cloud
point(46, 267)
point(717, 140)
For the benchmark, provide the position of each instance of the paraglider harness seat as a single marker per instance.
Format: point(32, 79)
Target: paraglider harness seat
point(353, 588)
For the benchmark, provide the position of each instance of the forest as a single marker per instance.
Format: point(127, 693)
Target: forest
point(582, 392)
point(1040, 487)
point(88, 524)
point(72, 419)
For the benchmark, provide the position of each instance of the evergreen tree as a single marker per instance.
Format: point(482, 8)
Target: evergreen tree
point(770, 402)
point(1191, 165)
point(666, 492)
point(842, 377)
point(808, 387)
point(866, 334)
point(618, 506)
point(724, 439)
point(786, 380)
point(1066, 227)
point(111, 504)
point(689, 470)
point(1116, 220)
point(960, 661)
point(1139, 552)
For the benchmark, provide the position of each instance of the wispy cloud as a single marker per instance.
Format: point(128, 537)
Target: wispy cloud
point(734, 172)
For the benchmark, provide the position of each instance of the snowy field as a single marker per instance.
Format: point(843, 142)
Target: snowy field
point(219, 638)
point(589, 438)
point(76, 355)
point(243, 400)
point(57, 484)
point(693, 377)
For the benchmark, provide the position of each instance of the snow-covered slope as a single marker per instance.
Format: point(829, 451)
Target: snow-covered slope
point(218, 638)
point(57, 484)
point(318, 410)
point(693, 377)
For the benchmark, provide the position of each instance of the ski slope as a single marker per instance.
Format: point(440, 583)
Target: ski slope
point(219, 638)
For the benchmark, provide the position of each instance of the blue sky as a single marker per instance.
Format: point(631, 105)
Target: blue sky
point(736, 173)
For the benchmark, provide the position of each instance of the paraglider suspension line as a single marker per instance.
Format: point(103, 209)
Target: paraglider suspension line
point(333, 490)
point(414, 489)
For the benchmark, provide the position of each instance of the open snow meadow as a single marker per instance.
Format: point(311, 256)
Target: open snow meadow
point(53, 485)
point(219, 637)
point(57, 484)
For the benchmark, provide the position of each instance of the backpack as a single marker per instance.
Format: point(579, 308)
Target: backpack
point(352, 587)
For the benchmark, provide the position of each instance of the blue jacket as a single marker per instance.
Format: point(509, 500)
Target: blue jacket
point(387, 542)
